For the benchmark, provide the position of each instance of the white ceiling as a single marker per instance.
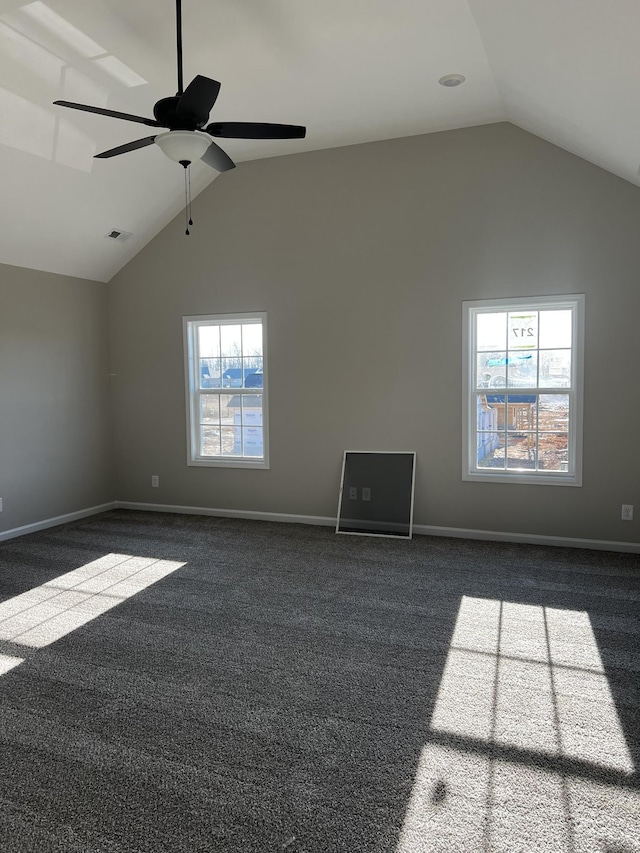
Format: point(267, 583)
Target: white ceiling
point(350, 70)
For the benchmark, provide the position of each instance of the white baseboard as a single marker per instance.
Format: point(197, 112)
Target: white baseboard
point(420, 529)
point(327, 521)
point(231, 513)
point(55, 521)
point(528, 538)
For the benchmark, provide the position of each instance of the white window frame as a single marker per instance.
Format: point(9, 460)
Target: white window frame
point(194, 392)
point(470, 389)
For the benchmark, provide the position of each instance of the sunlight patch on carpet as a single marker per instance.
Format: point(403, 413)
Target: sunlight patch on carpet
point(45, 614)
point(466, 801)
point(530, 677)
point(8, 662)
point(524, 714)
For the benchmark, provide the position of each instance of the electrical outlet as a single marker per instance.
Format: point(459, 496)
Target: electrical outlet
point(353, 493)
point(366, 493)
point(155, 481)
point(627, 512)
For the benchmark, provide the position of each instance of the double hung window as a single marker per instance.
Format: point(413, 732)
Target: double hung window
point(523, 390)
point(226, 381)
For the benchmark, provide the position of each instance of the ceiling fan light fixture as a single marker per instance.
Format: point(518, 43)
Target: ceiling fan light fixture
point(183, 145)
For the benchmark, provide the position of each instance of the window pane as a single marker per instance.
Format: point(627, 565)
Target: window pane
point(231, 341)
point(521, 412)
point(521, 451)
point(209, 441)
point(487, 414)
point(491, 450)
point(555, 368)
point(522, 370)
point(252, 372)
point(523, 330)
point(491, 331)
point(496, 404)
point(553, 451)
point(252, 339)
point(555, 329)
point(491, 369)
point(210, 409)
point(251, 410)
point(208, 341)
point(553, 412)
point(209, 372)
point(229, 409)
point(231, 371)
point(252, 438)
point(231, 441)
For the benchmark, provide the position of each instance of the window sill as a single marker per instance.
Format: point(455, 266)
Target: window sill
point(228, 463)
point(538, 479)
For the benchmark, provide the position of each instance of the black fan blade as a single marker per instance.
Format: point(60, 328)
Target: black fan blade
point(197, 100)
point(111, 113)
point(255, 130)
point(216, 157)
point(130, 146)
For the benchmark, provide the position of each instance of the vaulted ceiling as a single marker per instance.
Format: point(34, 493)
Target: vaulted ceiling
point(352, 72)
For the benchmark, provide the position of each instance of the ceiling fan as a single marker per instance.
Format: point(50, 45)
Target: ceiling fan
point(186, 114)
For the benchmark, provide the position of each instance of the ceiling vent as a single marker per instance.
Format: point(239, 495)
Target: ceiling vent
point(117, 234)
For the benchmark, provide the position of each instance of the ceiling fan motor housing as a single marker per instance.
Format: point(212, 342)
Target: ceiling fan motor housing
point(165, 113)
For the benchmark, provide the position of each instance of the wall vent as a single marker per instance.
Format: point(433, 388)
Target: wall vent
point(119, 235)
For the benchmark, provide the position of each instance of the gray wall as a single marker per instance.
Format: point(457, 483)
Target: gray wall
point(362, 257)
point(55, 430)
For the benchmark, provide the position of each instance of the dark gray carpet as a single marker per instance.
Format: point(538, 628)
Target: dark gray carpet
point(288, 689)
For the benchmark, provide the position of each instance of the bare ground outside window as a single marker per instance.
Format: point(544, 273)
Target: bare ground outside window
point(549, 448)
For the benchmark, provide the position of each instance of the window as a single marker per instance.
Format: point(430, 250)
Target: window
point(226, 380)
point(523, 390)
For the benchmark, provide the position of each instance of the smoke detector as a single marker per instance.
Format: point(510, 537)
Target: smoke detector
point(452, 80)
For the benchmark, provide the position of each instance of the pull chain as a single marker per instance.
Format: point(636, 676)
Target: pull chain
point(187, 194)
